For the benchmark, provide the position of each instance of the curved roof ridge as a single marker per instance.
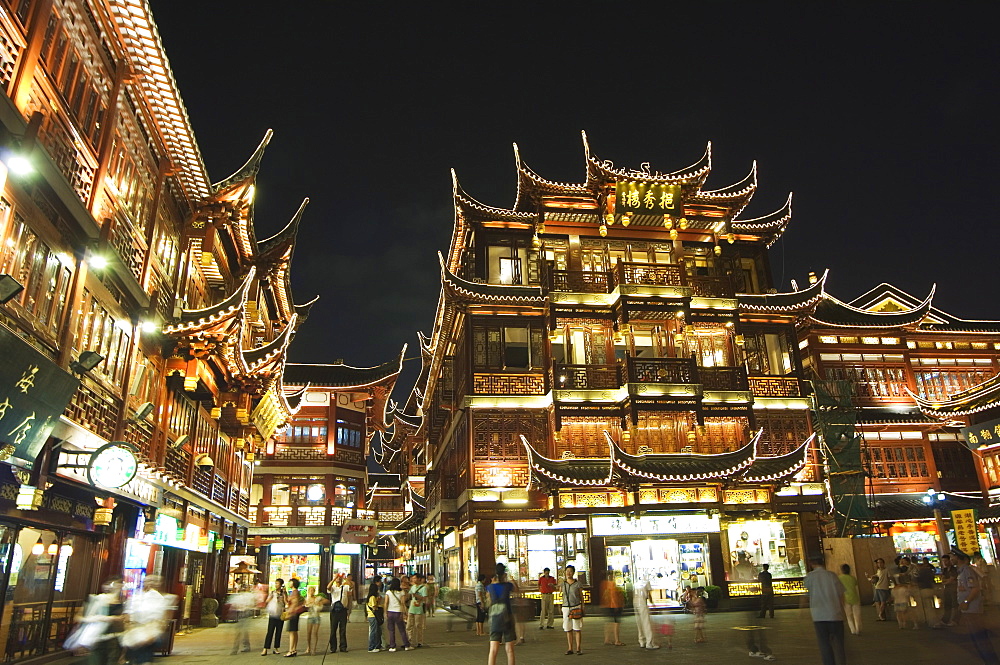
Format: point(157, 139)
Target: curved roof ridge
point(592, 467)
point(303, 310)
point(285, 236)
point(233, 303)
point(258, 357)
point(766, 469)
point(746, 185)
point(463, 198)
point(791, 301)
point(249, 170)
point(775, 220)
point(664, 466)
point(834, 312)
point(925, 303)
point(982, 396)
point(696, 172)
point(490, 292)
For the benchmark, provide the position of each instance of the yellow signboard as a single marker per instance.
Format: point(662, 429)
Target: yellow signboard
point(966, 531)
point(268, 415)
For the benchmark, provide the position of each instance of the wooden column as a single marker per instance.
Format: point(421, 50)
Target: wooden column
point(24, 74)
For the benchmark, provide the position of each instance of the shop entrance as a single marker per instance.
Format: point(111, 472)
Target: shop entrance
point(671, 565)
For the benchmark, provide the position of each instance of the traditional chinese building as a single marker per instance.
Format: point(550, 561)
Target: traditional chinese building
point(312, 477)
point(143, 327)
point(614, 383)
point(896, 381)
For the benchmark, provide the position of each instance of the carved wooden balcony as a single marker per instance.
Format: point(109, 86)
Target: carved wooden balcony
point(775, 386)
point(707, 286)
point(723, 378)
point(661, 370)
point(587, 377)
point(578, 281)
point(648, 274)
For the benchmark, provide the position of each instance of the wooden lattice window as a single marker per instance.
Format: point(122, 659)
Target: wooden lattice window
point(584, 437)
point(512, 347)
point(722, 435)
point(783, 431)
point(496, 435)
point(898, 462)
point(663, 432)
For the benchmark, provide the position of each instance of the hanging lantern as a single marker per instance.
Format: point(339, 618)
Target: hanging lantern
point(673, 234)
point(541, 227)
point(603, 230)
point(683, 223)
point(609, 219)
point(668, 222)
point(535, 241)
point(102, 516)
point(731, 238)
point(53, 549)
point(38, 549)
point(250, 457)
point(718, 250)
point(692, 438)
point(626, 219)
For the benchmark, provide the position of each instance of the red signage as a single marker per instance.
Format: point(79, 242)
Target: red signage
point(359, 532)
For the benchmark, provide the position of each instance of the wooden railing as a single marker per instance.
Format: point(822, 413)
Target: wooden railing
point(648, 274)
point(308, 515)
point(587, 377)
point(711, 287)
point(723, 378)
point(775, 386)
point(579, 281)
point(661, 370)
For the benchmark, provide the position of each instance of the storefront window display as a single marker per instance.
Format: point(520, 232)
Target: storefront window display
point(914, 537)
point(751, 543)
point(526, 552)
point(298, 561)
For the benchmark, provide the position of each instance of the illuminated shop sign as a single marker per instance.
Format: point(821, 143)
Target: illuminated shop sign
point(34, 391)
point(647, 198)
point(652, 525)
point(112, 465)
point(170, 532)
point(359, 531)
point(983, 434)
point(294, 548)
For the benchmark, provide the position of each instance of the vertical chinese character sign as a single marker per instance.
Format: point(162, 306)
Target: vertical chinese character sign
point(34, 391)
point(966, 532)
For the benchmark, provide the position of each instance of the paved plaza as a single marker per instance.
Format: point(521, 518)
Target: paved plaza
point(449, 640)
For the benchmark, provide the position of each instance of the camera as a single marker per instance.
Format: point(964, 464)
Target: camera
point(204, 462)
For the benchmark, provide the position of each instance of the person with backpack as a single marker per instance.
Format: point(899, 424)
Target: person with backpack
point(373, 612)
point(501, 616)
point(340, 594)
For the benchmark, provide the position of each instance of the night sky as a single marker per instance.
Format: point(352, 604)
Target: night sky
point(881, 119)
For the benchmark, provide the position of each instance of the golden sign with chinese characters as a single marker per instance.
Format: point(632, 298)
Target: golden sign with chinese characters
point(966, 531)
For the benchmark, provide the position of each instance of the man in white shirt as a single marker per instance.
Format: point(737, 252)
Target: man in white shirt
point(826, 604)
point(641, 598)
point(340, 596)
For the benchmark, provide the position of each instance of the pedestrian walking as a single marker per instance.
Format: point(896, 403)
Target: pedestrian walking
point(826, 605)
point(969, 587)
point(546, 588)
point(923, 577)
point(756, 639)
point(99, 625)
point(642, 598)
point(501, 616)
point(572, 611)
point(274, 605)
point(417, 620)
point(339, 594)
point(314, 603)
point(146, 613)
point(613, 601)
point(352, 594)
point(949, 592)
point(480, 605)
point(240, 606)
point(373, 612)
point(852, 599)
point(902, 594)
point(880, 583)
point(699, 608)
point(294, 607)
point(395, 606)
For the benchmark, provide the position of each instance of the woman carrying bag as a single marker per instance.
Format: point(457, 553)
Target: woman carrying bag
point(572, 611)
point(501, 616)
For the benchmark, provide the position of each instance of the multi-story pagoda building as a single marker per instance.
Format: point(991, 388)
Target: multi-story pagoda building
point(310, 501)
point(614, 383)
point(143, 327)
point(897, 379)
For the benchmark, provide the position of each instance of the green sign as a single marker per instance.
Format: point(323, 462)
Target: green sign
point(648, 198)
point(34, 391)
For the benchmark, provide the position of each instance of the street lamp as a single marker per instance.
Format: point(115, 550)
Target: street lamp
point(934, 499)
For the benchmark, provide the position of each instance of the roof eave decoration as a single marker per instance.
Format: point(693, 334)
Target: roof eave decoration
point(744, 188)
point(772, 225)
point(603, 171)
point(141, 40)
point(200, 320)
point(280, 245)
point(245, 175)
point(302, 311)
point(553, 470)
point(784, 303)
point(727, 464)
point(488, 293)
point(833, 312)
point(292, 401)
point(262, 357)
point(531, 186)
point(981, 397)
point(780, 467)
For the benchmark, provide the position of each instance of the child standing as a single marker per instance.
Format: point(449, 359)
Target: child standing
point(698, 608)
point(901, 594)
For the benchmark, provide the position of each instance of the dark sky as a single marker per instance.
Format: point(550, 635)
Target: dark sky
point(882, 118)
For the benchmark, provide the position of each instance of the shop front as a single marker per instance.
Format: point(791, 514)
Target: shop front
point(751, 542)
point(299, 561)
point(672, 552)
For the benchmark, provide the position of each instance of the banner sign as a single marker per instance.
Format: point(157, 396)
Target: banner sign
point(966, 531)
point(654, 524)
point(360, 532)
point(648, 198)
point(34, 392)
point(983, 434)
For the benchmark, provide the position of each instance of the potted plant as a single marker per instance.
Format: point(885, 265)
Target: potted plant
point(714, 595)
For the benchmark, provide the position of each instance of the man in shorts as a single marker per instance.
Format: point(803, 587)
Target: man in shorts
point(572, 599)
point(880, 582)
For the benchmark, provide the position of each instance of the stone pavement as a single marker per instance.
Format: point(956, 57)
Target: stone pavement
point(790, 635)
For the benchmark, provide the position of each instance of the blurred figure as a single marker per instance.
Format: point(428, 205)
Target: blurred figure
point(524, 611)
point(432, 593)
point(546, 587)
point(971, 603)
point(274, 605)
point(902, 593)
point(826, 605)
point(480, 604)
point(352, 594)
point(922, 574)
point(699, 608)
point(613, 600)
point(241, 604)
point(766, 591)
point(147, 613)
point(852, 599)
point(502, 629)
point(756, 639)
point(642, 598)
point(949, 592)
point(100, 624)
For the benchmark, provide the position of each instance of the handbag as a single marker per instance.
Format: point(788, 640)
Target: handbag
point(85, 636)
point(140, 636)
point(576, 613)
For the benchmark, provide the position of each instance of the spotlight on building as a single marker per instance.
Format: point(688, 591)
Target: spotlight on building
point(19, 165)
point(148, 326)
point(180, 441)
point(87, 361)
point(98, 262)
point(144, 410)
point(9, 288)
